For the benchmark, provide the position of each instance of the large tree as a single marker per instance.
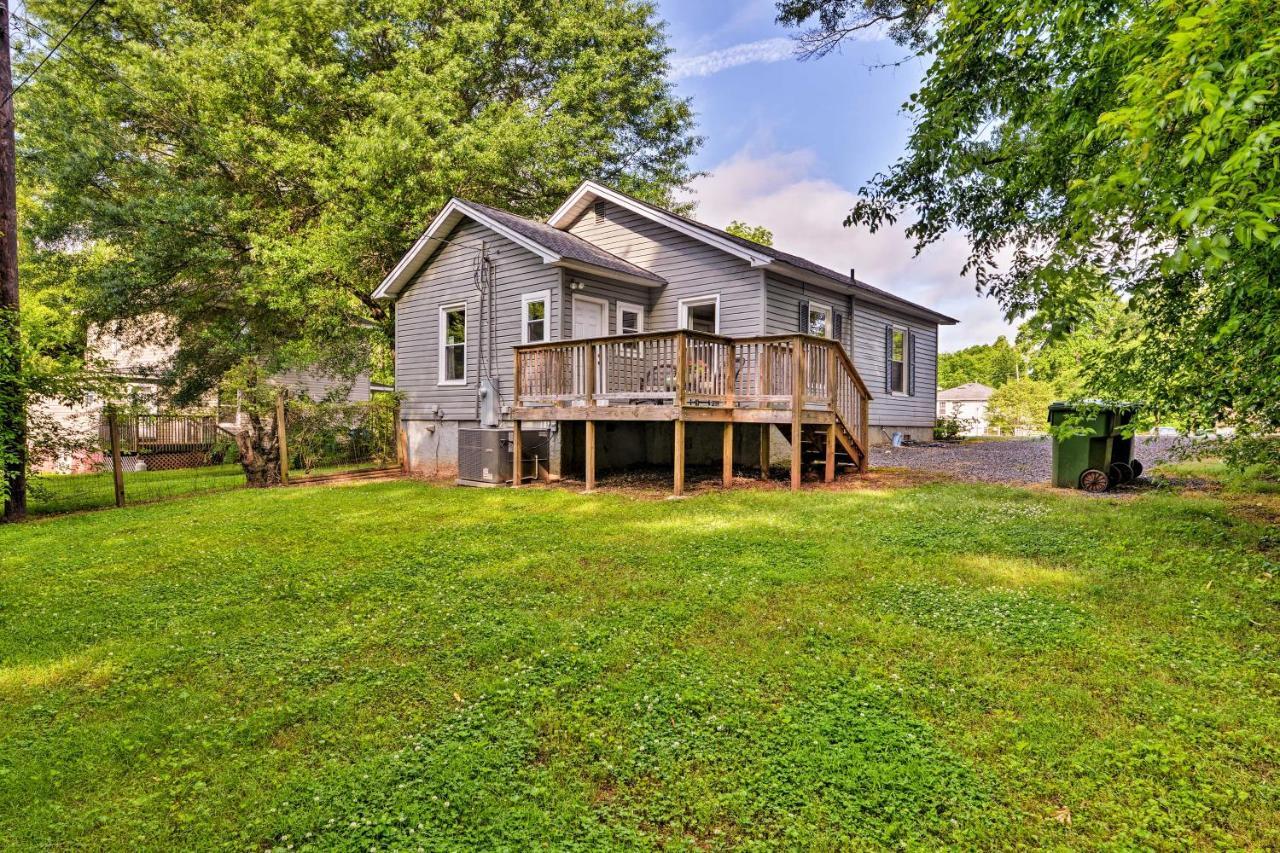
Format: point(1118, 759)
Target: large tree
point(1094, 147)
point(252, 169)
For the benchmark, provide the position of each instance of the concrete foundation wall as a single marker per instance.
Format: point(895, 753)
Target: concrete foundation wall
point(915, 433)
point(433, 447)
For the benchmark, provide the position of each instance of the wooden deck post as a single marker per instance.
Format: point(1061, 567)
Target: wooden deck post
point(117, 464)
point(590, 376)
point(728, 454)
point(517, 455)
point(829, 472)
point(764, 451)
point(682, 367)
point(865, 433)
point(678, 462)
point(591, 456)
point(282, 440)
point(797, 407)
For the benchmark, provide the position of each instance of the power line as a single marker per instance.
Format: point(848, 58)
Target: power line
point(92, 5)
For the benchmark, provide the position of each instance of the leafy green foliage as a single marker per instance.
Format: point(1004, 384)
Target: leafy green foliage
point(991, 364)
point(949, 427)
point(1089, 149)
point(1021, 406)
point(252, 170)
point(404, 665)
point(754, 233)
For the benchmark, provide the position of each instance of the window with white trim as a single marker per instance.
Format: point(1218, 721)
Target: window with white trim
point(898, 362)
point(819, 320)
point(701, 313)
point(630, 318)
point(453, 344)
point(535, 317)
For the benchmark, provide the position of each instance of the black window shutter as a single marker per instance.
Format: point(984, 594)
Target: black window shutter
point(838, 327)
point(888, 359)
point(911, 364)
point(804, 316)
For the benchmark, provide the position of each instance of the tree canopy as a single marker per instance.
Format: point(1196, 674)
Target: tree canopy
point(252, 169)
point(991, 364)
point(754, 233)
point(1090, 149)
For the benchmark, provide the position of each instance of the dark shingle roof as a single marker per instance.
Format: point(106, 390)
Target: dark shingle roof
point(563, 243)
point(794, 260)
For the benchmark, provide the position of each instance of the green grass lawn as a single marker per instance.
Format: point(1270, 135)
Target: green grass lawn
point(398, 664)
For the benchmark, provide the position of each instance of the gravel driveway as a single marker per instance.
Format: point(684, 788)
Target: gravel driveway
point(1014, 460)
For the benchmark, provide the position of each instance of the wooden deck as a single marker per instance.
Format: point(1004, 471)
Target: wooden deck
point(805, 385)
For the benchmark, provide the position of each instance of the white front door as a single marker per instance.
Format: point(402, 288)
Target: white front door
point(590, 317)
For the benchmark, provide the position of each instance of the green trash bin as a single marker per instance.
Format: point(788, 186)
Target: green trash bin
point(1101, 457)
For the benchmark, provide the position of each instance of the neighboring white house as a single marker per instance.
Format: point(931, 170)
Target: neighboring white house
point(968, 402)
point(138, 363)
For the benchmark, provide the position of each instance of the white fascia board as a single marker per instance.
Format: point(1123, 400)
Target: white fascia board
point(432, 237)
point(582, 196)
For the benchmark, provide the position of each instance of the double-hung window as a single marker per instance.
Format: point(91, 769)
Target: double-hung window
point(453, 344)
point(630, 319)
point(535, 316)
point(819, 320)
point(898, 361)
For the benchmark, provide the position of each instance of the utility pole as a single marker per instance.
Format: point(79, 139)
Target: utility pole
point(13, 400)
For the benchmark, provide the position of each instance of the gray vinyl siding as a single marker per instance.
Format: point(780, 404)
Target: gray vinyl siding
point(448, 279)
point(609, 291)
point(887, 409)
point(319, 386)
point(691, 267)
point(863, 339)
point(782, 312)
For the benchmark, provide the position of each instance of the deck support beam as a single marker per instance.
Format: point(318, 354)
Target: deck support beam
point(797, 408)
point(591, 456)
point(517, 455)
point(829, 471)
point(678, 460)
point(727, 478)
point(764, 451)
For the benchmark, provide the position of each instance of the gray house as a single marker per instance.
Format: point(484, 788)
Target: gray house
point(618, 333)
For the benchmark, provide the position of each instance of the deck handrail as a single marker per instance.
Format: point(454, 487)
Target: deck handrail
point(683, 368)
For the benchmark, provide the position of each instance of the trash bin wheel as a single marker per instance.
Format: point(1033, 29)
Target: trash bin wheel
point(1137, 468)
point(1094, 480)
point(1120, 473)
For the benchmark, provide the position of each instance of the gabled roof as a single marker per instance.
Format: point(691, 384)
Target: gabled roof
point(755, 254)
point(555, 247)
point(967, 392)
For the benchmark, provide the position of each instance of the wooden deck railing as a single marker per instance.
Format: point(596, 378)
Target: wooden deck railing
point(684, 368)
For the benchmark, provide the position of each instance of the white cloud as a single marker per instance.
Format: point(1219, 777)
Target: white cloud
point(706, 64)
point(777, 49)
point(805, 212)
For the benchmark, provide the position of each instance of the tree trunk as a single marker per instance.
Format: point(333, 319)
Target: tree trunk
point(259, 444)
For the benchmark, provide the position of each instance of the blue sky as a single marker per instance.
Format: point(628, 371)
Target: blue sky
point(788, 144)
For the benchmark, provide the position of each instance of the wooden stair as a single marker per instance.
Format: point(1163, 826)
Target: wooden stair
point(813, 448)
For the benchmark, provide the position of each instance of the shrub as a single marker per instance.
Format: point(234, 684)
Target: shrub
point(949, 427)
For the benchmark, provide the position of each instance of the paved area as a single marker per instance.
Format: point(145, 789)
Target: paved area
point(1015, 460)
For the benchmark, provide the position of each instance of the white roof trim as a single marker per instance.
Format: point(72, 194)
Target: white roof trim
point(589, 191)
point(434, 235)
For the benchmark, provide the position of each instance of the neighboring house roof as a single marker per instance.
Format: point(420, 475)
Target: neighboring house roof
point(967, 393)
point(754, 253)
point(555, 247)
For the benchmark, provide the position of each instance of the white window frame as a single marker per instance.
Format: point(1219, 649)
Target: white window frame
point(527, 299)
point(638, 310)
point(440, 351)
point(684, 305)
point(604, 303)
point(831, 318)
point(906, 360)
